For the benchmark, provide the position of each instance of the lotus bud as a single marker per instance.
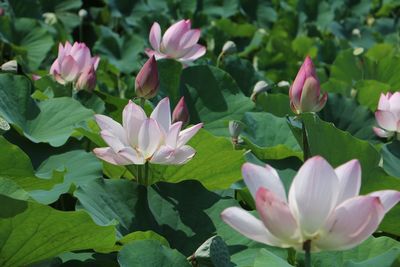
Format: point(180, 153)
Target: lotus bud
point(82, 13)
point(87, 80)
point(259, 87)
point(229, 48)
point(2, 12)
point(235, 128)
point(283, 84)
point(147, 81)
point(305, 94)
point(50, 18)
point(11, 66)
point(181, 112)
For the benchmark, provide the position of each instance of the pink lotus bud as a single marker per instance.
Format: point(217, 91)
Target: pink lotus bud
point(72, 61)
point(87, 80)
point(146, 83)
point(179, 42)
point(36, 77)
point(2, 12)
point(181, 112)
point(388, 115)
point(305, 95)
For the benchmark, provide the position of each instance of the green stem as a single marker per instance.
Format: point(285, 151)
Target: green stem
point(291, 259)
point(146, 173)
point(307, 258)
point(219, 58)
point(306, 147)
point(140, 174)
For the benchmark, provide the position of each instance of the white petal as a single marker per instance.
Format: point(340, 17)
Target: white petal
point(172, 137)
point(110, 125)
point(388, 198)
point(182, 155)
point(248, 225)
point(111, 140)
point(256, 176)
point(108, 154)
point(162, 114)
point(349, 175)
point(313, 194)
point(155, 36)
point(187, 134)
point(162, 155)
point(150, 137)
point(276, 215)
point(132, 155)
point(132, 119)
point(351, 223)
point(386, 120)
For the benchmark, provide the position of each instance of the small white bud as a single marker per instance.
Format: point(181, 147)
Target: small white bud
point(283, 84)
point(50, 18)
point(82, 13)
point(356, 32)
point(358, 51)
point(11, 66)
point(260, 86)
point(229, 48)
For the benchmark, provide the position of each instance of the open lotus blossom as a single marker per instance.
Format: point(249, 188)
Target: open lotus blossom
point(388, 115)
point(140, 139)
point(323, 207)
point(74, 62)
point(305, 93)
point(179, 42)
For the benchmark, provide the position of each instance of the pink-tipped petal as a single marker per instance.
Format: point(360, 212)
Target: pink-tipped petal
point(310, 95)
point(69, 69)
point(187, 134)
point(150, 137)
point(382, 133)
point(349, 175)
point(155, 36)
point(276, 215)
point(172, 136)
point(256, 177)
point(189, 39)
point(132, 119)
point(313, 194)
point(108, 154)
point(114, 142)
point(110, 125)
point(173, 34)
point(162, 155)
point(386, 120)
point(351, 223)
point(388, 198)
point(182, 155)
point(321, 102)
point(181, 112)
point(132, 156)
point(55, 67)
point(95, 62)
point(395, 102)
point(249, 226)
point(162, 114)
point(384, 103)
point(194, 53)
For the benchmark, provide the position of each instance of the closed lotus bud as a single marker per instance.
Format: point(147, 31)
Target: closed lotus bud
point(259, 87)
point(305, 94)
point(11, 66)
point(181, 112)
point(229, 48)
point(147, 82)
point(82, 13)
point(235, 128)
point(50, 18)
point(2, 12)
point(87, 80)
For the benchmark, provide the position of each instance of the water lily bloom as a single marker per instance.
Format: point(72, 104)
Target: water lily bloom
point(323, 207)
point(72, 61)
point(388, 115)
point(179, 42)
point(305, 94)
point(181, 112)
point(147, 82)
point(140, 139)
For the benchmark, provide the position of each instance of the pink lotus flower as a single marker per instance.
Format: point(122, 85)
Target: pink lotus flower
point(179, 42)
point(305, 94)
point(140, 139)
point(72, 61)
point(147, 82)
point(388, 115)
point(181, 112)
point(323, 207)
